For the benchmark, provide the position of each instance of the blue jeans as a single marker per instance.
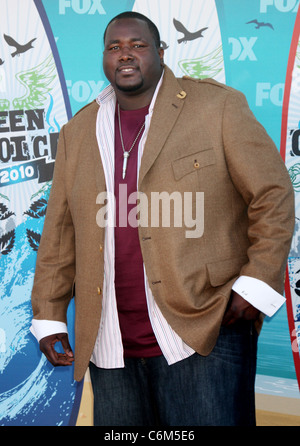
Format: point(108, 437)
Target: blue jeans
point(216, 390)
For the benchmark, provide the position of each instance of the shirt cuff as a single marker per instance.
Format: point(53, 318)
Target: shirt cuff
point(259, 294)
point(41, 328)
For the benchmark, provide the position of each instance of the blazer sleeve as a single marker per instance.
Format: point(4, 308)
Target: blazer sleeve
point(55, 266)
point(260, 175)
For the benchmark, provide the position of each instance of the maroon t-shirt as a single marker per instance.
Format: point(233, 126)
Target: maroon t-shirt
point(137, 334)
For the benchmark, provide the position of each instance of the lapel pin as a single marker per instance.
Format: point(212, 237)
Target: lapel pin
point(181, 95)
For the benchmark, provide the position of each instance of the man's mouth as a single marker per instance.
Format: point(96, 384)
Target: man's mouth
point(126, 69)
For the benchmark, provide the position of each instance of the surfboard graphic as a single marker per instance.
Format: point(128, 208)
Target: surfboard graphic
point(290, 152)
point(190, 35)
point(33, 107)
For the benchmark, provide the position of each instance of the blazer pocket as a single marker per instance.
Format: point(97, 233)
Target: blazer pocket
point(191, 163)
point(222, 271)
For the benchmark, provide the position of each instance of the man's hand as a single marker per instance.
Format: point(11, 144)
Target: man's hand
point(47, 347)
point(238, 308)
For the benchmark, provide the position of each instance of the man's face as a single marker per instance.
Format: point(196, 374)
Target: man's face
point(131, 61)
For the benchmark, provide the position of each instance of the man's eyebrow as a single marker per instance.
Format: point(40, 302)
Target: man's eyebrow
point(135, 39)
point(112, 41)
point(132, 39)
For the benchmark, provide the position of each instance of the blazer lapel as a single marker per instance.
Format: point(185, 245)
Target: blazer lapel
point(98, 167)
point(103, 147)
point(167, 108)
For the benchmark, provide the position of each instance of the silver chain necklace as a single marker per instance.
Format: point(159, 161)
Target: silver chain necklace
point(126, 153)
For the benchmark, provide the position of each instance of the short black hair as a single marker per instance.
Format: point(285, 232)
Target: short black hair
point(136, 15)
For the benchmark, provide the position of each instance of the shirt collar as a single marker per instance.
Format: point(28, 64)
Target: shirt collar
point(106, 95)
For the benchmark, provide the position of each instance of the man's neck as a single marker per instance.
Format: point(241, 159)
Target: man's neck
point(133, 102)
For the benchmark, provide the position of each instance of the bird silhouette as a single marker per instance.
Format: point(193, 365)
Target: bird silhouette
point(260, 24)
point(19, 48)
point(187, 34)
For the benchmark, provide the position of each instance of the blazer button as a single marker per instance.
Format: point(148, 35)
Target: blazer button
point(196, 164)
point(99, 290)
point(101, 248)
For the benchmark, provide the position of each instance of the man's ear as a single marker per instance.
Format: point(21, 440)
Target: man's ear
point(161, 55)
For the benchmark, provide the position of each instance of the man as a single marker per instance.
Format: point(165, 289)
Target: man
point(168, 317)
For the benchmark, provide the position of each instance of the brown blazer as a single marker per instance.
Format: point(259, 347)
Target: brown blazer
point(205, 139)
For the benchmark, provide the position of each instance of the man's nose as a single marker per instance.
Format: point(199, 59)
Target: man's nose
point(126, 53)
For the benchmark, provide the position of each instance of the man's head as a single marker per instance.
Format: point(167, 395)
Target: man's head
point(132, 58)
point(136, 15)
